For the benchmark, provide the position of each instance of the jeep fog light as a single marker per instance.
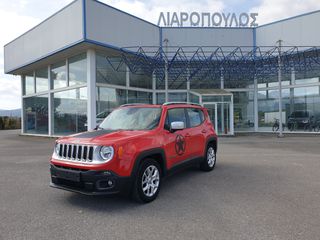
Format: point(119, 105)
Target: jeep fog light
point(106, 153)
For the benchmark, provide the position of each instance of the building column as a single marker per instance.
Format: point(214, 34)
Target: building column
point(50, 105)
point(221, 78)
point(231, 117)
point(293, 82)
point(255, 103)
point(22, 104)
point(91, 89)
point(222, 104)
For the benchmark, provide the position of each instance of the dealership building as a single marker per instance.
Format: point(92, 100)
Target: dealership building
point(89, 58)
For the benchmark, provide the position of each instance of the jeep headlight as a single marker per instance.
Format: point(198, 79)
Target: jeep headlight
point(106, 153)
point(57, 148)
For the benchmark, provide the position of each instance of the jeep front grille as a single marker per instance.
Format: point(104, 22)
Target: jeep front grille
point(74, 152)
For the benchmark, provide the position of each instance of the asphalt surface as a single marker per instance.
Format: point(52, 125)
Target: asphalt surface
point(263, 187)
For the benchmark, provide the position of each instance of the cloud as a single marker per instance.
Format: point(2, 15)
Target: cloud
point(273, 10)
point(11, 25)
point(17, 17)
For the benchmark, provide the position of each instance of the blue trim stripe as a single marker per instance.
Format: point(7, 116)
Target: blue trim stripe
point(84, 18)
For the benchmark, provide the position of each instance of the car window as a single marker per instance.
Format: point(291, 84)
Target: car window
point(195, 116)
point(175, 115)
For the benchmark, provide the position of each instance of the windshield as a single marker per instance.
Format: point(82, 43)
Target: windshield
point(132, 118)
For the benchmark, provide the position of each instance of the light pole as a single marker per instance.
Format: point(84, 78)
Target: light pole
point(280, 89)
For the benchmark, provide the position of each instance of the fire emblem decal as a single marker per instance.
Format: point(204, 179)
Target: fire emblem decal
point(180, 145)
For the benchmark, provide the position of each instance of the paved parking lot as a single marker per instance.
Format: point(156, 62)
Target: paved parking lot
point(262, 188)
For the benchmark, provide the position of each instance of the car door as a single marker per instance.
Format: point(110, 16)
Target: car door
point(197, 132)
point(176, 144)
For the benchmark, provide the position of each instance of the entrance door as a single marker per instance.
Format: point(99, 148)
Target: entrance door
point(219, 114)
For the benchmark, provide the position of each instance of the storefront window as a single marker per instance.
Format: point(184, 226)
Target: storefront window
point(243, 111)
point(139, 97)
point(300, 109)
point(177, 97)
point(216, 98)
point(78, 69)
point(141, 80)
point(29, 83)
point(42, 79)
point(108, 99)
point(114, 74)
point(70, 111)
point(59, 75)
point(194, 98)
point(161, 98)
point(36, 114)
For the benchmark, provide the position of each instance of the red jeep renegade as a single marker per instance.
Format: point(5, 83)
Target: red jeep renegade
point(133, 149)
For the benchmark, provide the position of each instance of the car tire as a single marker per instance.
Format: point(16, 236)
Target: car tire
point(210, 159)
point(147, 183)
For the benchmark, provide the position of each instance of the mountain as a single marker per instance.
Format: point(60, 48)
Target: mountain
point(10, 113)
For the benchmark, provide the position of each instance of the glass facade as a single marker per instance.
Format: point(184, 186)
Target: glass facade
point(116, 85)
point(177, 97)
point(140, 80)
point(70, 111)
point(77, 69)
point(243, 108)
point(108, 99)
point(29, 83)
point(106, 70)
point(42, 80)
point(300, 109)
point(36, 114)
point(59, 74)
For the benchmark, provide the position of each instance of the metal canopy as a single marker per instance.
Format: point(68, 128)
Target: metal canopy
point(204, 66)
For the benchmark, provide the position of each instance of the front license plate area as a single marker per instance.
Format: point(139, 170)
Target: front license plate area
point(69, 175)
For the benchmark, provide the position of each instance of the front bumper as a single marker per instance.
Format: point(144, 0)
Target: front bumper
point(88, 182)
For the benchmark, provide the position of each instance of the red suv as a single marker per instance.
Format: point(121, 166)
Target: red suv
point(133, 149)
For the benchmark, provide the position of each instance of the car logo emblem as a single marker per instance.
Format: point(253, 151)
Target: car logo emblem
point(180, 145)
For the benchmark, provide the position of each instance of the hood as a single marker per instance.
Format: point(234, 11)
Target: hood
point(103, 137)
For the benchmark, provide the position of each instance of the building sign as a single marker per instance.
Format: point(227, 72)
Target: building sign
point(206, 19)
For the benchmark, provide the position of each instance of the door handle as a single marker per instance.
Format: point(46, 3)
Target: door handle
point(188, 135)
point(203, 131)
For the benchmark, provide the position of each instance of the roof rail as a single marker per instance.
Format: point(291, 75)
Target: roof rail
point(172, 103)
point(133, 104)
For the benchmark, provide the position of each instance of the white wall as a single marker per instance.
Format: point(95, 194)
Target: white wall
point(113, 27)
point(298, 31)
point(58, 31)
point(208, 36)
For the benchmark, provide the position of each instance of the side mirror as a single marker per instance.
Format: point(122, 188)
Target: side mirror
point(176, 126)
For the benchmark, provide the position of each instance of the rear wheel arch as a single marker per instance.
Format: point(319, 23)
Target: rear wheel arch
point(212, 141)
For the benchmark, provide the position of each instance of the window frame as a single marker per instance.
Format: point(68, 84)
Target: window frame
point(188, 125)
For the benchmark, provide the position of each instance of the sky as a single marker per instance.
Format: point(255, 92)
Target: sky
point(18, 16)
